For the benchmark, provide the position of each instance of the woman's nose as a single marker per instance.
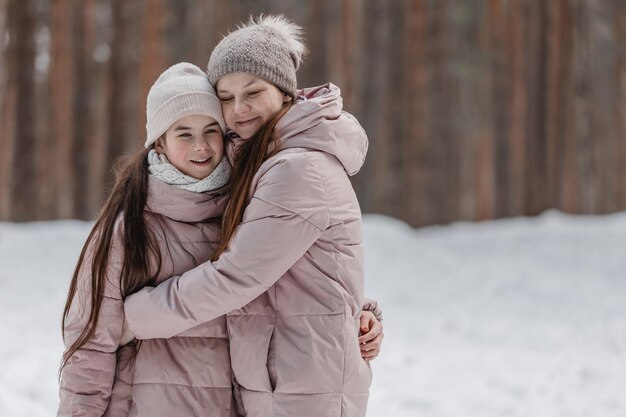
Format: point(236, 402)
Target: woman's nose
point(240, 106)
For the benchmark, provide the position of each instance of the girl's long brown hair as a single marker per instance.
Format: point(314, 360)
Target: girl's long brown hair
point(128, 197)
point(253, 152)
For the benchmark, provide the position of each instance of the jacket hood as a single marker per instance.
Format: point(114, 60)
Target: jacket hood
point(319, 123)
point(183, 205)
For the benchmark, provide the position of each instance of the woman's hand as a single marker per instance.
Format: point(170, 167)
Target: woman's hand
point(371, 337)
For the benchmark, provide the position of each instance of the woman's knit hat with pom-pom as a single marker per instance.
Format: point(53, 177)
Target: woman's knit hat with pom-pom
point(269, 47)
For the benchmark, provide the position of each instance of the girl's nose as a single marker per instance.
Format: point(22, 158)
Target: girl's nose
point(200, 144)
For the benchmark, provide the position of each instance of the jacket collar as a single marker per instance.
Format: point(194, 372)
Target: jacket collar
point(183, 205)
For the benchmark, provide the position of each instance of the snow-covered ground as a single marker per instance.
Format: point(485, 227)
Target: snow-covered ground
point(519, 317)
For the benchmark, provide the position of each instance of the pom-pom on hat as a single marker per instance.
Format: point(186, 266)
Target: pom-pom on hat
point(269, 47)
point(182, 90)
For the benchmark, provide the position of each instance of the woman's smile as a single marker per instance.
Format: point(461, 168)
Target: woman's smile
point(247, 122)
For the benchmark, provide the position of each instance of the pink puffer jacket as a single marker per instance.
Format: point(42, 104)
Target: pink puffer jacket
point(188, 375)
point(293, 273)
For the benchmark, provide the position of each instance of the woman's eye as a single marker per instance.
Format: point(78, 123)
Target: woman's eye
point(253, 93)
point(225, 99)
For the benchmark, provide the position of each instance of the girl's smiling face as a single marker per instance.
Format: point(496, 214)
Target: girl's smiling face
point(248, 101)
point(193, 144)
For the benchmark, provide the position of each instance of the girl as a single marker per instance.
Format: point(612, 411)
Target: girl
point(162, 218)
point(291, 255)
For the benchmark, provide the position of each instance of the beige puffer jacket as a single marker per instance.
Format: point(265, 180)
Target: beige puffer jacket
point(293, 273)
point(187, 375)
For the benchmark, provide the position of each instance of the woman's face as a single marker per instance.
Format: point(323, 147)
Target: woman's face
point(194, 145)
point(248, 101)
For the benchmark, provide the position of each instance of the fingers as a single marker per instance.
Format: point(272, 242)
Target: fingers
point(374, 331)
point(371, 350)
point(373, 345)
point(372, 335)
point(366, 319)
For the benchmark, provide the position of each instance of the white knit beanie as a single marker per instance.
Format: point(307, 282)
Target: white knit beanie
point(269, 47)
point(182, 90)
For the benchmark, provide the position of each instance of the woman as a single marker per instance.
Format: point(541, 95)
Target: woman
point(290, 262)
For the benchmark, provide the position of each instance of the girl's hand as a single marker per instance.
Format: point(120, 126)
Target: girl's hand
point(371, 337)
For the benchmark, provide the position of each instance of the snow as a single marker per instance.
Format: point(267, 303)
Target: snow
point(515, 317)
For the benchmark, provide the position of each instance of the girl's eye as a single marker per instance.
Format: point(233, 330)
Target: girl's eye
point(225, 99)
point(210, 131)
point(184, 135)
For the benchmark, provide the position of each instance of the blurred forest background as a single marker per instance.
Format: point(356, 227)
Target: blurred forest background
point(475, 109)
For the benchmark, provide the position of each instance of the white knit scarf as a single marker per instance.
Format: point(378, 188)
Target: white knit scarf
point(161, 168)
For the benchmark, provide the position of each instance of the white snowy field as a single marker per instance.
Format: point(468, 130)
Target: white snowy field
point(520, 317)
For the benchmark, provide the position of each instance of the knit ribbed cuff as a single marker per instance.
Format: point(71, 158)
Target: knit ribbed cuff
point(180, 106)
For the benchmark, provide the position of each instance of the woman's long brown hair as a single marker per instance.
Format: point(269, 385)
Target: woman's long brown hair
point(128, 197)
point(253, 152)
